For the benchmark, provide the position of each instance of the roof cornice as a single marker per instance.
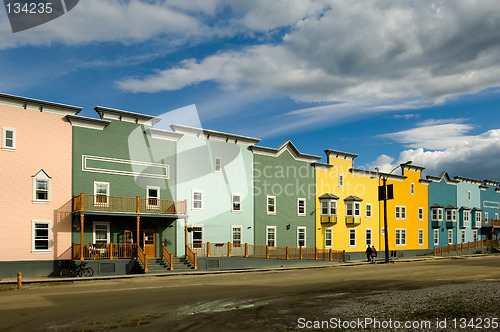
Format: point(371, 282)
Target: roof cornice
point(38, 105)
point(287, 146)
point(126, 116)
point(213, 134)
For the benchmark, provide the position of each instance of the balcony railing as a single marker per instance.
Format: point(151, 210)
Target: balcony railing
point(495, 223)
point(85, 202)
point(104, 250)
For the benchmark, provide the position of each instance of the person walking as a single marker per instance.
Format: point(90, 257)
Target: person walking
point(373, 254)
point(369, 253)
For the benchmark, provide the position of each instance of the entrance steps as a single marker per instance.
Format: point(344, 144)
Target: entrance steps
point(158, 265)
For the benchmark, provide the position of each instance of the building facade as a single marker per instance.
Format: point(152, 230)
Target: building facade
point(490, 204)
point(35, 209)
point(470, 212)
point(215, 175)
point(284, 197)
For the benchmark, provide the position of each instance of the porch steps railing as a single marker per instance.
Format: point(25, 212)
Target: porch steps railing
point(143, 258)
point(191, 256)
point(229, 249)
point(167, 256)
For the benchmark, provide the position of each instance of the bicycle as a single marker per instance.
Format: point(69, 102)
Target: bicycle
point(77, 271)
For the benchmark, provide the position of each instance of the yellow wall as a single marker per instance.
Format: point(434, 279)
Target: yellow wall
point(403, 197)
point(362, 186)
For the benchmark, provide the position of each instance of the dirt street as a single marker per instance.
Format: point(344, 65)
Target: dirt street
point(308, 299)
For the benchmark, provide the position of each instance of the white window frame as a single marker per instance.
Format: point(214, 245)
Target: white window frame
point(382, 231)
point(152, 206)
point(412, 188)
point(352, 231)
point(468, 195)
point(193, 200)
point(436, 236)
point(496, 216)
point(368, 231)
point(96, 201)
point(357, 209)
point(478, 218)
point(329, 230)
point(233, 228)
point(100, 223)
point(399, 239)
point(275, 236)
point(4, 139)
point(234, 195)
point(198, 244)
point(474, 234)
point(486, 216)
point(420, 213)
point(300, 230)
point(49, 236)
point(450, 236)
point(43, 177)
point(438, 212)
point(400, 212)
point(273, 204)
point(420, 237)
point(369, 212)
point(463, 235)
point(466, 216)
point(217, 165)
point(341, 180)
point(299, 200)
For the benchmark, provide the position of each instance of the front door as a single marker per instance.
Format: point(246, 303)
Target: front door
point(150, 242)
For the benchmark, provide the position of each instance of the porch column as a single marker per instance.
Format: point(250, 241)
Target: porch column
point(185, 235)
point(138, 230)
point(81, 236)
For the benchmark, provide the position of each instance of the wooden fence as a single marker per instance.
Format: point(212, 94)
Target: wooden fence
point(228, 249)
point(462, 246)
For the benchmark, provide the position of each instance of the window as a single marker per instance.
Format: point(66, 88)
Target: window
point(101, 193)
point(301, 236)
point(8, 138)
point(328, 237)
point(496, 216)
point(236, 232)
point(368, 208)
point(436, 237)
point(400, 237)
point(420, 237)
point(437, 214)
point(271, 205)
point(463, 235)
point(101, 232)
point(341, 180)
point(466, 216)
point(475, 235)
point(450, 236)
point(420, 213)
point(382, 231)
point(412, 188)
point(301, 206)
point(468, 195)
point(368, 236)
point(486, 216)
point(352, 237)
point(401, 212)
point(451, 215)
point(41, 236)
point(197, 236)
point(41, 187)
point(324, 208)
point(271, 236)
point(478, 218)
point(329, 208)
point(236, 202)
point(217, 165)
point(197, 200)
point(153, 196)
point(353, 209)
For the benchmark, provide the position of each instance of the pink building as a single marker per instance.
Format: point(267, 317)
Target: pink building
point(35, 191)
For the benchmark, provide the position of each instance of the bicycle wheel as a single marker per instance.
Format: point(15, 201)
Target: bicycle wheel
point(88, 272)
point(64, 273)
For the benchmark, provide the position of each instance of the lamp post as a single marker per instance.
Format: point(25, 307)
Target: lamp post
point(385, 198)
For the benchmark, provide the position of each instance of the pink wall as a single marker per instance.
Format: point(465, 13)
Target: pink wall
point(43, 141)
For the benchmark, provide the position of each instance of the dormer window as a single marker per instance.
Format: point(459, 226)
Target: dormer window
point(41, 187)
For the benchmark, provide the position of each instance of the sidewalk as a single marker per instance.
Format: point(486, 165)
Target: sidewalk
point(11, 281)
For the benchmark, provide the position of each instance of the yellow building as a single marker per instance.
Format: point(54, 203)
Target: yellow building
point(347, 209)
point(407, 218)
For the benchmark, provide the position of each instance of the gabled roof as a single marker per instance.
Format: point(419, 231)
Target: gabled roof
point(450, 207)
point(435, 205)
point(353, 198)
point(287, 146)
point(328, 196)
point(465, 208)
point(212, 134)
point(126, 116)
point(443, 176)
point(39, 105)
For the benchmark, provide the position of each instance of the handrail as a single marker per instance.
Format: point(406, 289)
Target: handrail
point(143, 258)
point(166, 255)
point(191, 256)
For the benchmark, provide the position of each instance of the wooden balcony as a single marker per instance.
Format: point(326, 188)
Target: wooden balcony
point(85, 202)
point(495, 223)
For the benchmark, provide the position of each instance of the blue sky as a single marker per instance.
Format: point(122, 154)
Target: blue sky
point(388, 81)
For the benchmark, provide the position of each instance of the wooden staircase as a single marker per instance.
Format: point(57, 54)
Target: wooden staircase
point(158, 265)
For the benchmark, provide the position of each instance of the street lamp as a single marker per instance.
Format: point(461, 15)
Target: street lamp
point(384, 193)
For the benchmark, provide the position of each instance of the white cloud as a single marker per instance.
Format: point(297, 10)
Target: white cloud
point(478, 158)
